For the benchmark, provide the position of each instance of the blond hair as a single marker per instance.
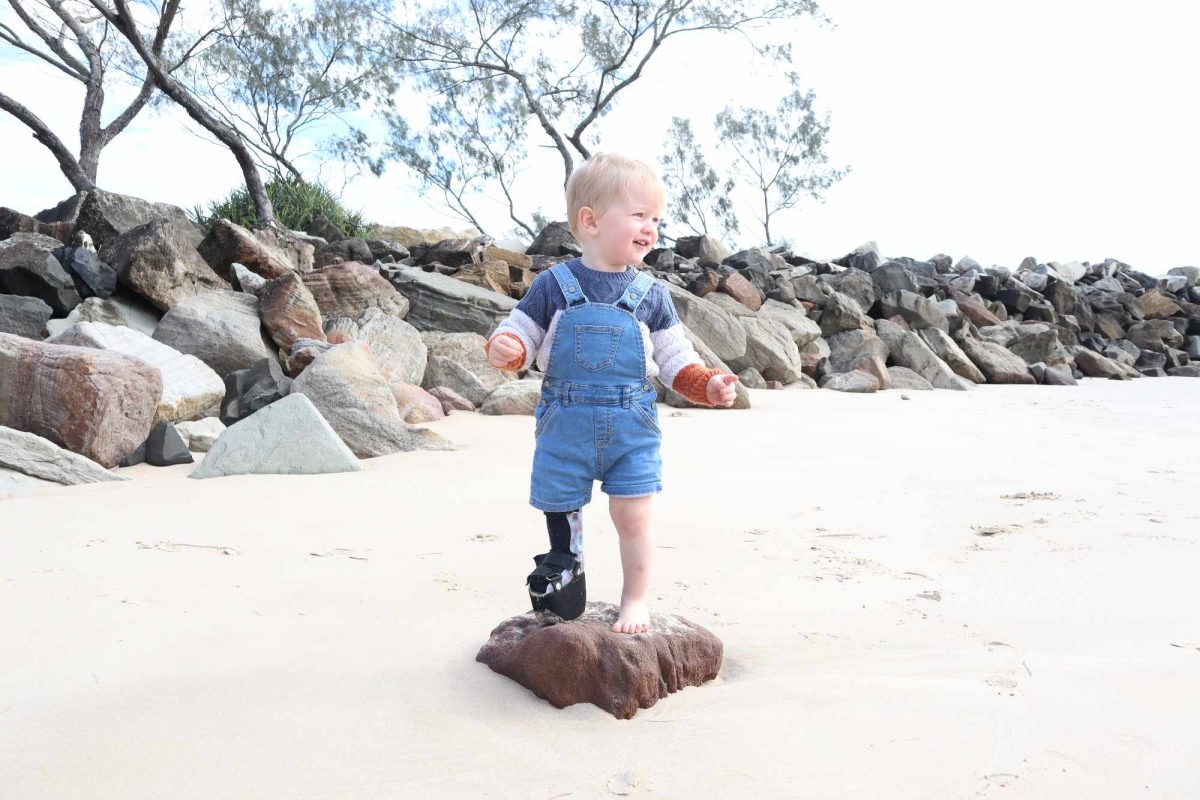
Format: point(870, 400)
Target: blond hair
point(598, 182)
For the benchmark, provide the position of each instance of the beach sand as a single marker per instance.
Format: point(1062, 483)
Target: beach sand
point(963, 594)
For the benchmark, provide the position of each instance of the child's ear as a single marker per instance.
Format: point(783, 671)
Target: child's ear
point(587, 219)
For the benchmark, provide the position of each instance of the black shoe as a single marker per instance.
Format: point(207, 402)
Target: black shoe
point(550, 591)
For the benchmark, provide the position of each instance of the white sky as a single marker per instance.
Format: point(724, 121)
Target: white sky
point(1060, 129)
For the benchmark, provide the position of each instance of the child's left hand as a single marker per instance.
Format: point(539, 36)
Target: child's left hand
point(721, 390)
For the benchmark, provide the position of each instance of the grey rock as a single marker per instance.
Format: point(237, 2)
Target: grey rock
point(23, 316)
point(842, 313)
point(1095, 365)
point(1191, 275)
point(251, 389)
point(948, 351)
point(904, 378)
point(756, 266)
point(893, 277)
point(105, 215)
point(514, 397)
point(908, 349)
point(770, 349)
point(845, 349)
point(998, 364)
point(288, 437)
point(165, 447)
point(1038, 342)
point(1052, 376)
point(713, 325)
point(246, 281)
point(1156, 335)
point(119, 309)
point(708, 251)
point(400, 353)
point(29, 268)
point(555, 239)
point(856, 382)
point(858, 285)
point(441, 303)
point(803, 329)
point(1186, 371)
point(93, 278)
point(918, 311)
point(729, 304)
point(201, 434)
point(221, 328)
point(39, 458)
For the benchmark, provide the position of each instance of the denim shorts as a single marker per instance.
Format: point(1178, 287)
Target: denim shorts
point(594, 433)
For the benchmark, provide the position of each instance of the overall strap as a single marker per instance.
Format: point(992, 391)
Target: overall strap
point(569, 284)
point(636, 292)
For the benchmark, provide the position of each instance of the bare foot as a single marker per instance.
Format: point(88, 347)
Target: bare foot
point(634, 617)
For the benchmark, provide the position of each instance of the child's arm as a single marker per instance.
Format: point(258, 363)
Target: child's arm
point(515, 342)
point(680, 366)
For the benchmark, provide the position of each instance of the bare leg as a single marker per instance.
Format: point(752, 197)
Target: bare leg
point(631, 516)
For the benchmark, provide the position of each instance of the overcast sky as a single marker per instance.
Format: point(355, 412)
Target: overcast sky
point(1061, 129)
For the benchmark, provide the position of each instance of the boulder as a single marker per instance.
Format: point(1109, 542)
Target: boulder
point(583, 661)
point(770, 349)
point(129, 312)
point(858, 285)
point(416, 405)
point(106, 215)
point(165, 447)
point(741, 290)
point(23, 316)
point(201, 434)
point(189, 385)
point(1095, 365)
point(729, 305)
point(228, 243)
point(288, 437)
point(803, 329)
point(289, 311)
point(948, 351)
point(908, 349)
point(917, 310)
point(346, 387)
point(246, 281)
point(350, 289)
point(707, 250)
point(1155, 305)
point(491, 275)
point(343, 250)
point(845, 349)
point(756, 266)
point(893, 277)
point(874, 366)
point(458, 361)
point(995, 362)
point(248, 390)
point(450, 399)
point(441, 303)
point(29, 268)
point(1156, 335)
point(159, 261)
point(42, 459)
point(711, 324)
point(93, 277)
point(221, 328)
point(842, 313)
point(96, 403)
point(1052, 376)
point(1186, 371)
point(555, 239)
point(854, 382)
point(514, 397)
point(1036, 342)
point(905, 378)
point(400, 353)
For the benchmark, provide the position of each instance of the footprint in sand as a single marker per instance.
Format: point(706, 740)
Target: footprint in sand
point(992, 530)
point(484, 537)
point(1008, 671)
point(1031, 496)
point(172, 547)
point(626, 784)
point(339, 552)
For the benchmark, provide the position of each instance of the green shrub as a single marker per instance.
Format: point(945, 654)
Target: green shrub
point(296, 204)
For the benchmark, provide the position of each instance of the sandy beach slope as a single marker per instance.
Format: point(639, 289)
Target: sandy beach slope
point(983, 594)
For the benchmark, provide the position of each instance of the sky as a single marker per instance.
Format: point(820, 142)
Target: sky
point(1058, 129)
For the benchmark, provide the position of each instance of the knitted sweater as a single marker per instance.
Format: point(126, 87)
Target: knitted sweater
point(669, 353)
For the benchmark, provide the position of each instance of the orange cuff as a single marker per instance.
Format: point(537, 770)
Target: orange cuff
point(515, 364)
point(692, 382)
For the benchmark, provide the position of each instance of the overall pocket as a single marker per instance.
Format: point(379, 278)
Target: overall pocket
point(596, 346)
point(543, 413)
point(649, 415)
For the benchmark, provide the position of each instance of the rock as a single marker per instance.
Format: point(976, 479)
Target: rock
point(320, 226)
point(42, 459)
point(856, 382)
point(893, 277)
point(1191, 275)
point(350, 289)
point(455, 252)
point(707, 250)
point(12, 221)
point(729, 305)
point(248, 390)
point(457, 361)
point(583, 661)
point(106, 215)
point(201, 434)
point(416, 405)
point(221, 328)
point(756, 266)
point(400, 353)
point(865, 257)
point(159, 261)
point(189, 385)
point(228, 243)
point(246, 281)
point(1095, 365)
point(858, 285)
point(803, 329)
point(918, 311)
point(1052, 376)
point(1061, 295)
point(908, 349)
point(975, 310)
point(842, 313)
point(752, 378)
point(491, 275)
point(93, 278)
point(905, 378)
point(996, 363)
point(520, 261)
point(514, 397)
point(770, 349)
point(346, 387)
point(341, 251)
point(116, 310)
point(948, 351)
point(450, 399)
point(714, 326)
point(1038, 342)
point(555, 239)
point(95, 403)
point(23, 316)
point(165, 447)
point(1156, 335)
point(288, 437)
point(874, 366)
point(1155, 305)
point(29, 268)
point(441, 303)
point(845, 349)
point(741, 290)
point(289, 311)
point(1186, 371)
point(807, 289)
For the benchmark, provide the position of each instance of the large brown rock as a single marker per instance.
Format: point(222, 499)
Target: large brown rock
point(289, 311)
point(96, 403)
point(1155, 305)
point(351, 288)
point(159, 261)
point(583, 661)
point(741, 290)
point(228, 243)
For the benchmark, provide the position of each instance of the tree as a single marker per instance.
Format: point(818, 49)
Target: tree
point(556, 67)
point(281, 73)
point(69, 36)
point(696, 196)
point(122, 20)
point(780, 153)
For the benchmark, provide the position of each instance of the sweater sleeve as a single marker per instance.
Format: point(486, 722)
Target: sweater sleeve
point(527, 323)
point(679, 365)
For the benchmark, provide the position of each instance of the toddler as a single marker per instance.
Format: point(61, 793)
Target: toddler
point(599, 329)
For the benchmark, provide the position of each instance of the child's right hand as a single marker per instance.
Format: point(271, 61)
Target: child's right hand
point(504, 350)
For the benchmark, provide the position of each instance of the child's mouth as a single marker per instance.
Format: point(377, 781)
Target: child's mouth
point(642, 242)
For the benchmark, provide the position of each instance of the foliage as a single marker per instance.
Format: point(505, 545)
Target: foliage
point(696, 195)
point(296, 203)
point(780, 154)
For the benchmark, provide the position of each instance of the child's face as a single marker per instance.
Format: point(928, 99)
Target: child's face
point(627, 230)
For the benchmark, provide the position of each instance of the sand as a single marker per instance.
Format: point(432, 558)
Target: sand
point(983, 594)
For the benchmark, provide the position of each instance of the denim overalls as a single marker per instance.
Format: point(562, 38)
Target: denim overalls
point(596, 420)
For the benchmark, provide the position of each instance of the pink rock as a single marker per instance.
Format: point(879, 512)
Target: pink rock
point(289, 311)
point(351, 288)
point(741, 290)
point(421, 405)
point(583, 661)
point(451, 400)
